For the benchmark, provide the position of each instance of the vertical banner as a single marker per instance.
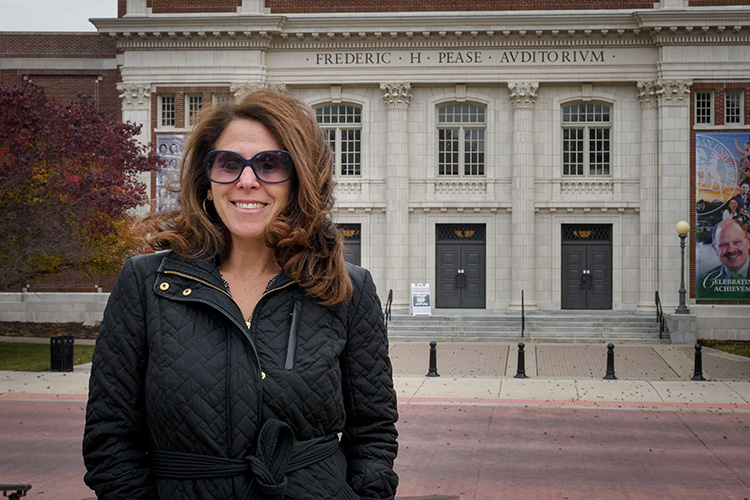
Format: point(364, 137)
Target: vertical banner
point(169, 148)
point(722, 173)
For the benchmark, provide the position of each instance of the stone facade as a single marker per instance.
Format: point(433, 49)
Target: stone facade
point(523, 72)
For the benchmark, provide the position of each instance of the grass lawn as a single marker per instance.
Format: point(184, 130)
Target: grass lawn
point(25, 357)
point(739, 347)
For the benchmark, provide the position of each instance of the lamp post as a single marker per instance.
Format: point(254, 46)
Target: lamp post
point(683, 228)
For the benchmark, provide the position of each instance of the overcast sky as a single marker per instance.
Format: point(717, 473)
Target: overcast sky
point(53, 15)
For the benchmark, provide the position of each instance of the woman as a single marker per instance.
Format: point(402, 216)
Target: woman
point(732, 211)
point(227, 366)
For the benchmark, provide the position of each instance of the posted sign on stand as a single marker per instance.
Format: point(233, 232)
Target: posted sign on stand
point(420, 299)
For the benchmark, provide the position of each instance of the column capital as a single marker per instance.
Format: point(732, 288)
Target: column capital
point(134, 95)
point(647, 94)
point(240, 89)
point(523, 94)
point(396, 95)
point(673, 92)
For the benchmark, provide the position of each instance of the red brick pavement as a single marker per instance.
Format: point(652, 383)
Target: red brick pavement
point(519, 453)
point(479, 452)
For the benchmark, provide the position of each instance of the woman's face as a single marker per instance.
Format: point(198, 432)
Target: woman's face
point(733, 206)
point(247, 205)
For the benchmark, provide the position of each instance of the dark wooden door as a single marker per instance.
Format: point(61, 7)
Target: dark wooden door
point(586, 276)
point(461, 276)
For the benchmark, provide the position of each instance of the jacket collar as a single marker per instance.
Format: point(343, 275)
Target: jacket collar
point(205, 270)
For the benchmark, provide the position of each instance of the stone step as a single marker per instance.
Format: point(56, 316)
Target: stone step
point(540, 327)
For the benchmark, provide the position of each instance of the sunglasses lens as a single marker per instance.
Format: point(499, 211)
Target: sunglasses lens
point(272, 166)
point(224, 166)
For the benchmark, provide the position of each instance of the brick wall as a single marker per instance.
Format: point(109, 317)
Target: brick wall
point(66, 83)
point(316, 6)
point(188, 6)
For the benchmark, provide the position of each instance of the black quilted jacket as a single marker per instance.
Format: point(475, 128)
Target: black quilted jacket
point(177, 369)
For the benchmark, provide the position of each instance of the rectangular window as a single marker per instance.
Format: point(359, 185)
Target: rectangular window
point(586, 145)
point(350, 151)
point(461, 139)
point(166, 111)
point(193, 106)
point(448, 151)
point(733, 107)
point(573, 151)
point(704, 106)
point(342, 124)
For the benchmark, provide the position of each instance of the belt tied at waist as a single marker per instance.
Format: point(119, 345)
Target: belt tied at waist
point(277, 454)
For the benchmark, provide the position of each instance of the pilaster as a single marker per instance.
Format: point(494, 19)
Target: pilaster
point(396, 97)
point(136, 108)
point(649, 184)
point(673, 119)
point(523, 96)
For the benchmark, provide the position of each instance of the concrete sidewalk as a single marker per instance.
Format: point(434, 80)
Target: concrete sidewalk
point(648, 376)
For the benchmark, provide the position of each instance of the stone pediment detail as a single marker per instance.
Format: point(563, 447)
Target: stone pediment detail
point(460, 187)
point(570, 186)
point(348, 187)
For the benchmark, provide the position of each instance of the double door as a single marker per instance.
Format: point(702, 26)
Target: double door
point(460, 275)
point(586, 276)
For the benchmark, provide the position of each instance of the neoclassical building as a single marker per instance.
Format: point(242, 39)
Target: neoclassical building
point(499, 155)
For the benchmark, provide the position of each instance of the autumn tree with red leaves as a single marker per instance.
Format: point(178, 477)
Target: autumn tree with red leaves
point(69, 179)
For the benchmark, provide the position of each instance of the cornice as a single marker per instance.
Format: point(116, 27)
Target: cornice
point(399, 31)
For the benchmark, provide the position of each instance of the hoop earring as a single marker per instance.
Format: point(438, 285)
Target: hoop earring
point(204, 205)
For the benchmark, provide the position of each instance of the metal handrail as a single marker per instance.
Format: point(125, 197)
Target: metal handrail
point(660, 315)
point(387, 310)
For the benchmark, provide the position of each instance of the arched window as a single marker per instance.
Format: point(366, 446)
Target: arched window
point(342, 124)
point(461, 139)
point(587, 147)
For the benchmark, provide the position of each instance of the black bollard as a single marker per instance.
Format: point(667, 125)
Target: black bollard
point(433, 361)
point(610, 363)
point(698, 371)
point(521, 371)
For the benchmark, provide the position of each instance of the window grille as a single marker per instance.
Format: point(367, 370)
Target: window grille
point(586, 232)
point(586, 139)
point(461, 140)
point(351, 232)
point(166, 111)
point(461, 232)
point(733, 107)
point(704, 104)
point(194, 105)
point(342, 124)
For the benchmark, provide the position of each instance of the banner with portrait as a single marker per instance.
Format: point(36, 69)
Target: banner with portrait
point(722, 173)
point(169, 148)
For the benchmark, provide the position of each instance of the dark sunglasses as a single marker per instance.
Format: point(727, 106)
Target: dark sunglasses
point(271, 167)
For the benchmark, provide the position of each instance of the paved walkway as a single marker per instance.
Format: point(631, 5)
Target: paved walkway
point(477, 432)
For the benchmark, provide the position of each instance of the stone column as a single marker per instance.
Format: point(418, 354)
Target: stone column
point(649, 211)
point(396, 97)
point(523, 96)
point(674, 183)
point(136, 108)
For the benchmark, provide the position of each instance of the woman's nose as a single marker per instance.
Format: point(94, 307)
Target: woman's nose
point(248, 178)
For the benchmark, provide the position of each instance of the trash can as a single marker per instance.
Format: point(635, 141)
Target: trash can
point(61, 354)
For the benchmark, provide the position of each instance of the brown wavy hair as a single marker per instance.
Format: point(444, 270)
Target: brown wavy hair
point(306, 243)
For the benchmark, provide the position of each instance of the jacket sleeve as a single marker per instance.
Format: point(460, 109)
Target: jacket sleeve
point(369, 437)
point(115, 436)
